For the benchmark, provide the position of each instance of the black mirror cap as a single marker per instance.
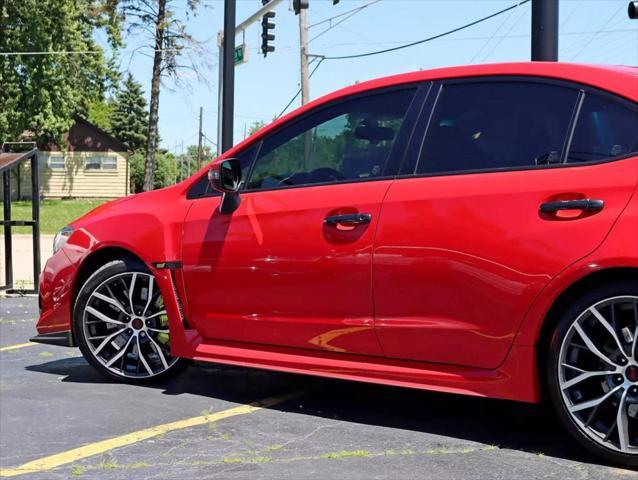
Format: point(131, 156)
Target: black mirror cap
point(225, 176)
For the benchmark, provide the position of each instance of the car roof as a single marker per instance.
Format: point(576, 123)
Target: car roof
point(618, 79)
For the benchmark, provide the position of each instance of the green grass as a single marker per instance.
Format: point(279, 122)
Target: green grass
point(54, 214)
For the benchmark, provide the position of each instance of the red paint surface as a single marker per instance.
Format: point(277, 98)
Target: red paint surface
point(446, 289)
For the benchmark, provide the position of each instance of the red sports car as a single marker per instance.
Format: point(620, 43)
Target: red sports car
point(470, 230)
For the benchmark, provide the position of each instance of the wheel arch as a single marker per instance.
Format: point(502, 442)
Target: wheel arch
point(576, 290)
point(92, 262)
point(560, 305)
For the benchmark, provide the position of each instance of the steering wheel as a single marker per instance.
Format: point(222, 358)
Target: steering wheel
point(283, 180)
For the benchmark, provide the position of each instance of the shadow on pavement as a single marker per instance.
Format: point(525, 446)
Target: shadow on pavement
point(510, 425)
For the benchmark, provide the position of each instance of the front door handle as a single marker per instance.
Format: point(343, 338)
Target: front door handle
point(586, 205)
point(349, 219)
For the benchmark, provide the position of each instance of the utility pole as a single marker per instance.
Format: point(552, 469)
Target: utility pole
point(199, 141)
point(227, 64)
point(303, 50)
point(544, 30)
point(228, 94)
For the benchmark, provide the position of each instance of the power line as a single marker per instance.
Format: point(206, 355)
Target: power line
point(480, 50)
point(354, 10)
point(352, 14)
point(347, 15)
point(299, 92)
point(429, 39)
point(586, 44)
point(512, 27)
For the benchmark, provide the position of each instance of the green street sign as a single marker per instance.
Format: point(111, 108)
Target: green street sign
point(241, 54)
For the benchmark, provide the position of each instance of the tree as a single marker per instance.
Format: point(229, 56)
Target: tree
point(100, 113)
point(256, 126)
point(41, 93)
point(187, 162)
point(168, 36)
point(129, 121)
point(166, 174)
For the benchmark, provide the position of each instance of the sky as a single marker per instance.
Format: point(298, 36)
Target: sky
point(591, 31)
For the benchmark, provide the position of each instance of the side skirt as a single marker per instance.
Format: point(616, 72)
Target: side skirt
point(515, 380)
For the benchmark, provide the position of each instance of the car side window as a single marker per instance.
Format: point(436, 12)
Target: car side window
point(605, 129)
point(349, 141)
point(496, 125)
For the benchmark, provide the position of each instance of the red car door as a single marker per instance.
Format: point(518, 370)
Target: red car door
point(292, 265)
point(466, 243)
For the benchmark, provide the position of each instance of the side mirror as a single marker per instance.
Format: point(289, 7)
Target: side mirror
point(225, 176)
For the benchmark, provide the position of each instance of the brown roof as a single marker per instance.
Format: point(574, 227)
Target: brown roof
point(83, 136)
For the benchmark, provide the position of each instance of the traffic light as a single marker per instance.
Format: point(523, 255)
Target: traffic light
point(299, 5)
point(334, 2)
point(632, 10)
point(266, 35)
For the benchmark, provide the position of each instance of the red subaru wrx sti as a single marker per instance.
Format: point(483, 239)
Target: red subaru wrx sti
point(470, 230)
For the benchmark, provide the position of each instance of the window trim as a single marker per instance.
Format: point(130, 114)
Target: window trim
point(582, 89)
point(101, 164)
point(50, 163)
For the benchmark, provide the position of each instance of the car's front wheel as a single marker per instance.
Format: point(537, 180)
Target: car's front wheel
point(593, 372)
point(121, 326)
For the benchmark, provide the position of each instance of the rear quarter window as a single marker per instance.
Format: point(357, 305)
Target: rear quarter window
point(605, 129)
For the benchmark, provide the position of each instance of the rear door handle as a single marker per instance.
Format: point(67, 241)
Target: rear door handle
point(348, 219)
point(586, 205)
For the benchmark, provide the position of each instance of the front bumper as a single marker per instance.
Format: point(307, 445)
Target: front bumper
point(55, 297)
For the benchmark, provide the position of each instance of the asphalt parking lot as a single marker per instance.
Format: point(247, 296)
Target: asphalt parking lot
point(60, 419)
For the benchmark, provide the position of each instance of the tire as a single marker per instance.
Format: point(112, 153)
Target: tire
point(111, 337)
point(589, 406)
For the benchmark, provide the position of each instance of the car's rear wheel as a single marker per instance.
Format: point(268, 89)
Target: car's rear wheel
point(593, 372)
point(121, 326)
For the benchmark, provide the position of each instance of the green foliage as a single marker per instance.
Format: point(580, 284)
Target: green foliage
point(187, 162)
point(165, 174)
point(130, 116)
point(256, 126)
point(40, 93)
point(100, 113)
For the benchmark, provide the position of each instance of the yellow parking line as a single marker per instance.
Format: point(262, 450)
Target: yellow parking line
point(19, 345)
point(48, 463)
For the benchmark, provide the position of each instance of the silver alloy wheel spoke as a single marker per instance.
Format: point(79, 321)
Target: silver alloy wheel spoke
point(141, 356)
point(111, 301)
point(121, 340)
point(150, 295)
point(593, 403)
point(159, 352)
point(131, 291)
point(622, 422)
point(603, 321)
point(584, 376)
point(598, 379)
point(592, 348)
point(157, 330)
point(103, 317)
point(107, 340)
point(119, 354)
point(161, 312)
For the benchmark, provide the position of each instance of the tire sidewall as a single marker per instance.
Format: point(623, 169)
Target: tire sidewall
point(103, 273)
point(592, 297)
